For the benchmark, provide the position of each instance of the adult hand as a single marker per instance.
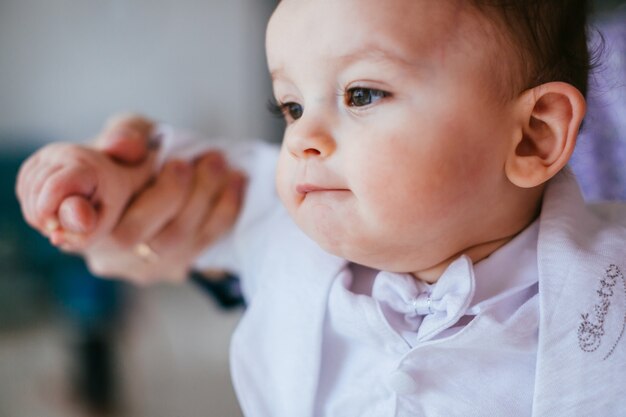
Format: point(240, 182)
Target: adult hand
point(166, 225)
point(176, 214)
point(165, 228)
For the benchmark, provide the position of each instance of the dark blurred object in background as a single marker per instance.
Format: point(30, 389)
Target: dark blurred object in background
point(223, 288)
point(25, 257)
point(38, 282)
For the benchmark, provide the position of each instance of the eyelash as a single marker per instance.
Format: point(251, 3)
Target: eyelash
point(275, 108)
point(285, 110)
point(349, 95)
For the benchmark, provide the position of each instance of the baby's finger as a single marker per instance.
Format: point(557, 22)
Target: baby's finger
point(29, 184)
point(77, 215)
point(68, 241)
point(155, 206)
point(24, 176)
point(210, 175)
point(77, 218)
point(60, 185)
point(226, 210)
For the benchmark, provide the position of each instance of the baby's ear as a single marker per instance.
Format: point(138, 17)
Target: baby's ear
point(550, 116)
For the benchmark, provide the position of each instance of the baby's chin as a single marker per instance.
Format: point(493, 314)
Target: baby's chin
point(363, 251)
point(355, 242)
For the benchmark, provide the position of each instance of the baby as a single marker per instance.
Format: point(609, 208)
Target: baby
point(432, 255)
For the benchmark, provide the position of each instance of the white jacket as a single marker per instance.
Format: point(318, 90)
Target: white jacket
point(276, 349)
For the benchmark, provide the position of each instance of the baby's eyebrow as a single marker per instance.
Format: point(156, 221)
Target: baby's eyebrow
point(374, 53)
point(365, 53)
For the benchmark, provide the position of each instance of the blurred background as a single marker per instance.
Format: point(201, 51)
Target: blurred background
point(72, 345)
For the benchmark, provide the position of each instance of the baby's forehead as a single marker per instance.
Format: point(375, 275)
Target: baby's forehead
point(412, 30)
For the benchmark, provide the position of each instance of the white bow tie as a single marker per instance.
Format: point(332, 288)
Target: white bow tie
point(426, 309)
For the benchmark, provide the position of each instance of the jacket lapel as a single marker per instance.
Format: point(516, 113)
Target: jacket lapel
point(289, 308)
point(581, 358)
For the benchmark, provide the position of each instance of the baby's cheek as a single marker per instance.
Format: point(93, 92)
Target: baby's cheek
point(407, 203)
point(283, 182)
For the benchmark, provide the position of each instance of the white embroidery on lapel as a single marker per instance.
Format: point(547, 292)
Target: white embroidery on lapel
point(591, 330)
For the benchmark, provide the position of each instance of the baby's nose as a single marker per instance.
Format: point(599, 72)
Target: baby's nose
point(307, 144)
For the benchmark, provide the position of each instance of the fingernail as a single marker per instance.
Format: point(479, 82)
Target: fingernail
point(50, 226)
point(125, 133)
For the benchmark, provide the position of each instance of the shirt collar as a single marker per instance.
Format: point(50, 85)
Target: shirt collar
point(507, 271)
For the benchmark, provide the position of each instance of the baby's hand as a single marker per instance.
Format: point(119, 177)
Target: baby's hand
point(73, 193)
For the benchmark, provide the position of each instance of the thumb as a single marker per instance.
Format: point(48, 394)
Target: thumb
point(77, 218)
point(126, 139)
point(77, 215)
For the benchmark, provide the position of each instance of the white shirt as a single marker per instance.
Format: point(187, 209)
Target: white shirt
point(368, 332)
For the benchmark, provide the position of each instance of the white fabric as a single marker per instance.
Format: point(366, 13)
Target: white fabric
point(282, 342)
point(237, 252)
point(420, 311)
point(390, 339)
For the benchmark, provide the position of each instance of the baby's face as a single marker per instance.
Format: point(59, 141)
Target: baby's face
point(393, 154)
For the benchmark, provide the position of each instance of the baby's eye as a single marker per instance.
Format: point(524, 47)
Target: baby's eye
point(293, 110)
point(290, 111)
point(360, 97)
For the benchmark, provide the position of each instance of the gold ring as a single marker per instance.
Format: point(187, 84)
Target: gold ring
point(146, 253)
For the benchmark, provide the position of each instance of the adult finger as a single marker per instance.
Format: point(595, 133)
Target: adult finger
point(155, 206)
point(126, 138)
point(210, 175)
point(225, 212)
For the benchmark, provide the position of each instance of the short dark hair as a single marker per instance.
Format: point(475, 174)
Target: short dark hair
point(549, 36)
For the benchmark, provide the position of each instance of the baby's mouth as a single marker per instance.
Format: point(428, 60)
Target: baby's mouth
point(312, 188)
